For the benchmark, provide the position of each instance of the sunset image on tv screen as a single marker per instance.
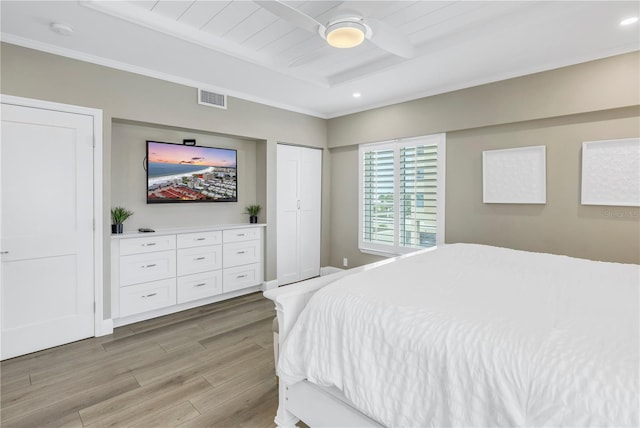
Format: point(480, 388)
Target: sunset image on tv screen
point(181, 173)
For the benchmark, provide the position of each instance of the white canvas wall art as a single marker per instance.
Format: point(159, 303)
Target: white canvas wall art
point(611, 172)
point(515, 176)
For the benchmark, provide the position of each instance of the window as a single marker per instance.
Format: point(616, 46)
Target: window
point(401, 201)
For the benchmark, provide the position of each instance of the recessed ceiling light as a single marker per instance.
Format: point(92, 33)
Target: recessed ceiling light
point(356, 95)
point(62, 29)
point(629, 21)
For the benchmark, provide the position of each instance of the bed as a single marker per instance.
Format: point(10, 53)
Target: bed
point(462, 335)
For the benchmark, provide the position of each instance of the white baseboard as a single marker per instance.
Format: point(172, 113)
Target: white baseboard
point(105, 328)
point(268, 285)
point(328, 270)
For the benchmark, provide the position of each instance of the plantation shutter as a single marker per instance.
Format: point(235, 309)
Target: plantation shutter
point(418, 195)
point(378, 196)
point(401, 194)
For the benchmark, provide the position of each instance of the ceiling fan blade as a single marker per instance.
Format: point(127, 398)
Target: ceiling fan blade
point(365, 7)
point(390, 39)
point(294, 16)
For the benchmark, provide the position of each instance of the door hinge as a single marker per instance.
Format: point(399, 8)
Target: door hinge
point(94, 224)
point(94, 307)
point(94, 142)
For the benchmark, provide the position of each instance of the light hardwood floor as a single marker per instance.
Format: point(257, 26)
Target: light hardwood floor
point(209, 366)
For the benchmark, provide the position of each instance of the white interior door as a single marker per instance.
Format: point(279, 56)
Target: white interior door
point(299, 199)
point(287, 209)
point(47, 278)
point(309, 213)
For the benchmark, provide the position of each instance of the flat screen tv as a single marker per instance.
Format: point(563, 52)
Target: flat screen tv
point(178, 173)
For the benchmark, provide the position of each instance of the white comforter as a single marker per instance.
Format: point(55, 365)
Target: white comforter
point(471, 335)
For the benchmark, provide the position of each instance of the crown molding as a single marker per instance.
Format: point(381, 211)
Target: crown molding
point(118, 65)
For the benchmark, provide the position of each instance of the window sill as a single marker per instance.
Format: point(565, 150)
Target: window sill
point(392, 253)
point(378, 252)
point(397, 254)
point(384, 253)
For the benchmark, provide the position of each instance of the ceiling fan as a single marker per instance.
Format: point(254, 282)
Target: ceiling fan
point(346, 29)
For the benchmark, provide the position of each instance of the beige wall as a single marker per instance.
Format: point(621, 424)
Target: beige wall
point(131, 97)
point(592, 86)
point(560, 109)
point(128, 180)
point(344, 209)
point(562, 225)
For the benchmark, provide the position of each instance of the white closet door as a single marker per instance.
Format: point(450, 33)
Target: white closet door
point(309, 213)
point(47, 229)
point(287, 234)
point(299, 199)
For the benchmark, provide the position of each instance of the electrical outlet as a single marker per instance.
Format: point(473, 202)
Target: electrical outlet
point(345, 262)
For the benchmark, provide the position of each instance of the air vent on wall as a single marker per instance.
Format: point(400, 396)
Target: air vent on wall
point(212, 99)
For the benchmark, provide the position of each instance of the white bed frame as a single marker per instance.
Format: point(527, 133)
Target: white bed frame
point(314, 405)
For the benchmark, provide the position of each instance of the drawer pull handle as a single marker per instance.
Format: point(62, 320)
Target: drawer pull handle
point(241, 276)
point(199, 258)
point(241, 234)
point(200, 239)
point(202, 284)
point(150, 244)
point(241, 252)
point(149, 295)
point(148, 266)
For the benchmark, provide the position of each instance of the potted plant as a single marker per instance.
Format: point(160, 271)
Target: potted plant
point(118, 216)
point(253, 211)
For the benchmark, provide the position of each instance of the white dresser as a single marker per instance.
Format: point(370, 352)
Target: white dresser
point(158, 273)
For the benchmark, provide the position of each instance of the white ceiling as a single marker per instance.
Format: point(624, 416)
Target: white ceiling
point(241, 49)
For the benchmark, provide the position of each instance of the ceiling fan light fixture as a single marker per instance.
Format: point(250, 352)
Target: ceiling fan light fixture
point(345, 34)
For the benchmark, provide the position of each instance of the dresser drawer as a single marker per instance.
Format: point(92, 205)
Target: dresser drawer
point(147, 267)
point(199, 286)
point(241, 253)
point(188, 240)
point(138, 298)
point(147, 244)
point(244, 234)
point(199, 259)
point(241, 277)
